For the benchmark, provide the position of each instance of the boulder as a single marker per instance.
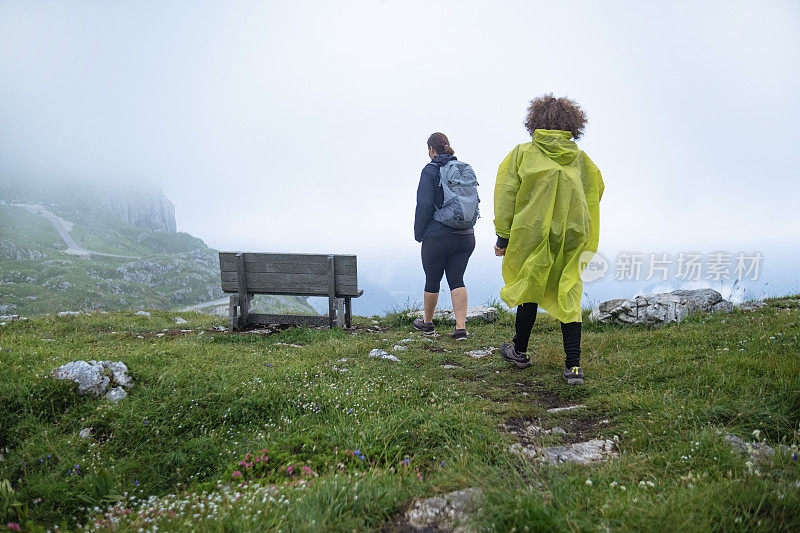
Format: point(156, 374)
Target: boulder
point(444, 513)
point(98, 378)
point(481, 312)
point(655, 309)
point(142, 313)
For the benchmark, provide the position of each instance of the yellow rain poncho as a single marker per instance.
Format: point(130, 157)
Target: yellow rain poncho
point(547, 203)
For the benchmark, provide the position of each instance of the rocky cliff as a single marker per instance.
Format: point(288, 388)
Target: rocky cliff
point(147, 209)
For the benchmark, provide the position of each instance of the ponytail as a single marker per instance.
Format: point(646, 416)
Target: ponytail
point(440, 144)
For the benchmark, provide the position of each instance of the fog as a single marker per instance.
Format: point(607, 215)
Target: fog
point(301, 127)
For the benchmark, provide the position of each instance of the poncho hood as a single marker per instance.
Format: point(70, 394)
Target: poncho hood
point(557, 145)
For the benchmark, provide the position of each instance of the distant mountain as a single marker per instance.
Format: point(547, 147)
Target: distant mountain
point(82, 248)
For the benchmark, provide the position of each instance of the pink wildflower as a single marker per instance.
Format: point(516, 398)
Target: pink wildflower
point(237, 474)
point(13, 526)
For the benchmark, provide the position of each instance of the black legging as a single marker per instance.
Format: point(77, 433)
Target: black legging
point(446, 253)
point(570, 333)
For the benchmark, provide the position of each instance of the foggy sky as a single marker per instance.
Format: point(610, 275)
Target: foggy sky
point(301, 126)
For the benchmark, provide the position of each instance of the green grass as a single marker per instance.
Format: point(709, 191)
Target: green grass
point(201, 402)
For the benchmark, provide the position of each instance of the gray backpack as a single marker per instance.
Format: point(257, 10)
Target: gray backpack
point(460, 186)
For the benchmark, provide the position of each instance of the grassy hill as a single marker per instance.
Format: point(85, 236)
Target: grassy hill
point(159, 269)
point(351, 449)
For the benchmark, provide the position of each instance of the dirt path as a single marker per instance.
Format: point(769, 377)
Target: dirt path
point(63, 228)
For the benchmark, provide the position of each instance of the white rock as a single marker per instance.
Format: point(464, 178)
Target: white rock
point(377, 352)
point(477, 354)
point(450, 366)
point(592, 451)
point(159, 335)
point(116, 394)
point(399, 348)
point(567, 408)
point(178, 320)
point(92, 377)
point(481, 312)
point(660, 308)
point(69, 313)
point(390, 357)
point(85, 433)
point(405, 341)
point(142, 313)
point(444, 513)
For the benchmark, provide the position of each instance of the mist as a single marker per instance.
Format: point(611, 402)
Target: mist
point(301, 127)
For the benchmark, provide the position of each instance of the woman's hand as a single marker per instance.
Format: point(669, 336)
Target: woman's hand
point(499, 251)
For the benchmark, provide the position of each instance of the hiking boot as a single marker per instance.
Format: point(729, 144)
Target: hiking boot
point(573, 376)
point(424, 327)
point(460, 334)
point(510, 354)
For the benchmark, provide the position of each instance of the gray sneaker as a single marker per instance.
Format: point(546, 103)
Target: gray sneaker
point(573, 376)
point(424, 327)
point(510, 354)
point(460, 334)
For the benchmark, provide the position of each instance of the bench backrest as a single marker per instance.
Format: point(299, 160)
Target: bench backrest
point(296, 274)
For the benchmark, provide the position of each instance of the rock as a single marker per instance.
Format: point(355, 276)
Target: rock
point(567, 408)
point(178, 320)
point(405, 341)
point(482, 312)
point(142, 313)
point(159, 335)
point(399, 348)
point(450, 366)
point(8, 318)
point(558, 431)
point(477, 354)
point(377, 352)
point(445, 513)
point(85, 433)
point(756, 451)
point(96, 378)
point(660, 308)
point(116, 394)
point(592, 451)
point(69, 313)
point(752, 305)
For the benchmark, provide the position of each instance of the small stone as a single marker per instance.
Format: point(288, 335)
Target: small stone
point(390, 357)
point(85, 433)
point(558, 431)
point(405, 341)
point(142, 313)
point(178, 320)
point(567, 408)
point(477, 354)
point(377, 352)
point(444, 513)
point(399, 348)
point(592, 451)
point(343, 360)
point(159, 335)
point(450, 366)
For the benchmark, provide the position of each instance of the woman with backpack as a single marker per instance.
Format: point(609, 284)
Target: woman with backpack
point(447, 208)
point(547, 220)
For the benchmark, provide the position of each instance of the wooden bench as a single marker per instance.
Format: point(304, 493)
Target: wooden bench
point(246, 274)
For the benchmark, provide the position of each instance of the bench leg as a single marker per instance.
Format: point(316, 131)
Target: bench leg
point(232, 319)
point(339, 313)
point(348, 313)
point(244, 311)
point(331, 310)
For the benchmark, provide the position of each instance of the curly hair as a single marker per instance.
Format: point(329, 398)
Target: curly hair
point(550, 113)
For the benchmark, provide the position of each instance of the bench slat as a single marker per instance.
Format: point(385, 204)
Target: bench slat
point(306, 284)
point(288, 267)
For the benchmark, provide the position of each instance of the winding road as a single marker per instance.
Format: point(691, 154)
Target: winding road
point(63, 228)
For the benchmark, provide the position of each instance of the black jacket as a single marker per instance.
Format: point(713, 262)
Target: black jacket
point(430, 197)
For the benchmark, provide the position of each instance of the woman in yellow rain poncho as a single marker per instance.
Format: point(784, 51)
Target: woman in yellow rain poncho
point(547, 220)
